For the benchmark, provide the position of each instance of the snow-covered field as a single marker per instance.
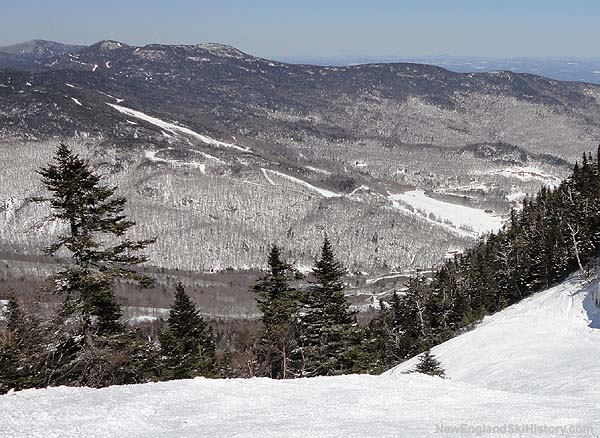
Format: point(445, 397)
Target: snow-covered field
point(458, 218)
point(546, 344)
point(533, 366)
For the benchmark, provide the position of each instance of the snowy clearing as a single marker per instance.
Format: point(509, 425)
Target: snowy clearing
point(175, 129)
point(532, 366)
point(458, 218)
point(316, 169)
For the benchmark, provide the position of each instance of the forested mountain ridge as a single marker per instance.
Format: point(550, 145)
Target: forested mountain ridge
point(239, 151)
point(212, 86)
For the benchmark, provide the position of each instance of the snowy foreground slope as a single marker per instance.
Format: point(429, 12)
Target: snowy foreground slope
point(546, 344)
point(534, 365)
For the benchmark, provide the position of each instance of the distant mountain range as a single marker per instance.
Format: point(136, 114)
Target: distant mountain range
point(221, 152)
point(562, 69)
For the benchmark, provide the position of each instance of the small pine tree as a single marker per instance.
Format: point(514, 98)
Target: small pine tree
point(278, 302)
point(187, 344)
point(428, 364)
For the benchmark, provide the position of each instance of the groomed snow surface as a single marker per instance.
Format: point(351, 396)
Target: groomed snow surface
point(533, 366)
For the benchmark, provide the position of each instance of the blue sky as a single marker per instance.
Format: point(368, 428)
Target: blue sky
point(508, 28)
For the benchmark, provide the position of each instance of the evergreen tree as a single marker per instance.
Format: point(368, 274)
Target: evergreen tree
point(278, 302)
point(327, 324)
point(377, 350)
point(187, 344)
point(428, 364)
point(94, 217)
point(20, 349)
point(88, 345)
point(414, 319)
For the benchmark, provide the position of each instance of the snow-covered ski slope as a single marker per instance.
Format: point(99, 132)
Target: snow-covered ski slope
point(533, 366)
point(546, 344)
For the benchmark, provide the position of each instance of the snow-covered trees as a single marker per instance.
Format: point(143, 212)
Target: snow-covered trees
point(20, 349)
point(310, 330)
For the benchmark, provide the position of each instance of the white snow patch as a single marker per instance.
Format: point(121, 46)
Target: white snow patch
point(362, 188)
point(516, 196)
point(76, 101)
point(323, 192)
point(197, 58)
point(3, 304)
point(267, 177)
point(458, 218)
point(176, 129)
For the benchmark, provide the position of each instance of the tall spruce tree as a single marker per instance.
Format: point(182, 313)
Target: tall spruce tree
point(278, 302)
point(94, 239)
point(187, 345)
point(327, 324)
